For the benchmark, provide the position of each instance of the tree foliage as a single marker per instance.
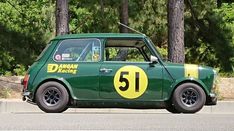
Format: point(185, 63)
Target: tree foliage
point(208, 36)
point(27, 25)
point(88, 16)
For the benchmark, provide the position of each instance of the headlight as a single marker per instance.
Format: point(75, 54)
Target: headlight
point(214, 87)
point(215, 76)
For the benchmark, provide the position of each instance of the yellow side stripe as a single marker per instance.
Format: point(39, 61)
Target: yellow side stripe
point(191, 70)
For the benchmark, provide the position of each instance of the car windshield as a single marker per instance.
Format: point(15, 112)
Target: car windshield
point(158, 54)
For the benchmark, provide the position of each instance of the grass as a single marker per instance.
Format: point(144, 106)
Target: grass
point(227, 75)
point(5, 92)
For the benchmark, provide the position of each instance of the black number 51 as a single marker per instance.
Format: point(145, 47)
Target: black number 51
point(126, 81)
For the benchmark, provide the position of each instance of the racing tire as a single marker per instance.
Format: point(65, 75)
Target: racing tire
point(171, 108)
point(188, 98)
point(52, 97)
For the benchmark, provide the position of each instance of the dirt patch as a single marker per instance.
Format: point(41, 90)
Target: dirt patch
point(226, 88)
point(10, 87)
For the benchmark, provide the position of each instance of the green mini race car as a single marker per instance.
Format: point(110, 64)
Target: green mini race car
point(116, 71)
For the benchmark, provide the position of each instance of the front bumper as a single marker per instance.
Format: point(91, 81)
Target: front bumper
point(212, 99)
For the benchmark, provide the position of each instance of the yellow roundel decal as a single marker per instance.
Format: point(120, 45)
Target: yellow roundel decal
point(130, 82)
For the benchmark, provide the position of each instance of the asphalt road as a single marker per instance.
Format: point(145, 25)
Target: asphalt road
point(117, 121)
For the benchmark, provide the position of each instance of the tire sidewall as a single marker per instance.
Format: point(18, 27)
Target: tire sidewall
point(171, 108)
point(180, 106)
point(62, 103)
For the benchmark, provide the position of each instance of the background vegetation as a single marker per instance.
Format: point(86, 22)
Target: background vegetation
point(26, 26)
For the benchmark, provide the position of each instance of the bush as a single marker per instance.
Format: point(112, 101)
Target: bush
point(226, 74)
point(19, 70)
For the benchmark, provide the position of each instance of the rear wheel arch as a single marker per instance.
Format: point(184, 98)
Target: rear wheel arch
point(52, 97)
point(70, 93)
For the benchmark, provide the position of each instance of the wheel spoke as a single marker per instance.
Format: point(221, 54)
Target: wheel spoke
point(53, 102)
point(47, 98)
point(194, 97)
point(189, 97)
point(50, 92)
point(51, 96)
point(193, 101)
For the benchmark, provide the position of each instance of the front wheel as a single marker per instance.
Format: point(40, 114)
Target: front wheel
point(188, 98)
point(52, 97)
point(171, 108)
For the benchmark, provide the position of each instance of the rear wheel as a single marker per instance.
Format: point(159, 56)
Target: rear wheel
point(188, 98)
point(52, 97)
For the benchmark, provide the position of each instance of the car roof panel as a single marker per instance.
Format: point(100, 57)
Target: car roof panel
point(99, 35)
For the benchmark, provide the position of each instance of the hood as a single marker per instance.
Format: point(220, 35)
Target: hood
point(188, 70)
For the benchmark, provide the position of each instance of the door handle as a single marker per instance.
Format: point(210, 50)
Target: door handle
point(105, 70)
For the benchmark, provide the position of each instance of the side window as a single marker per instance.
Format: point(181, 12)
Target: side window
point(126, 50)
point(131, 54)
point(78, 50)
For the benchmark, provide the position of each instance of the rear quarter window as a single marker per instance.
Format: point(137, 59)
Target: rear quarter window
point(74, 50)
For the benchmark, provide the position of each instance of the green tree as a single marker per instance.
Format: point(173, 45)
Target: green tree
point(208, 40)
point(26, 26)
point(90, 16)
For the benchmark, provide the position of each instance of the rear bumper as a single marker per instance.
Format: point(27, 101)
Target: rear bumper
point(27, 96)
point(212, 99)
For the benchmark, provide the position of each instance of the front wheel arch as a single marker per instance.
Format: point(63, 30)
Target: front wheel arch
point(188, 81)
point(172, 100)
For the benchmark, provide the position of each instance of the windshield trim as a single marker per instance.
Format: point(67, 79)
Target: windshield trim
point(154, 48)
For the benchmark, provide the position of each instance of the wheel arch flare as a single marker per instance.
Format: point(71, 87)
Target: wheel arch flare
point(191, 75)
point(55, 79)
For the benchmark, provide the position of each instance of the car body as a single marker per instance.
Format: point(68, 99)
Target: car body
point(114, 70)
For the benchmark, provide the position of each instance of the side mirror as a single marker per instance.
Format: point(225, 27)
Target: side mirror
point(153, 59)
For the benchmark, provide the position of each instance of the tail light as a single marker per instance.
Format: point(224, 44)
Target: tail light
point(25, 81)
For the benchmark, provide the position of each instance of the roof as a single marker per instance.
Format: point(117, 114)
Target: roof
point(100, 35)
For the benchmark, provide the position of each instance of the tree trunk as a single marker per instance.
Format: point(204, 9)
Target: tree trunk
point(123, 12)
point(104, 25)
point(123, 16)
point(62, 26)
point(176, 31)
